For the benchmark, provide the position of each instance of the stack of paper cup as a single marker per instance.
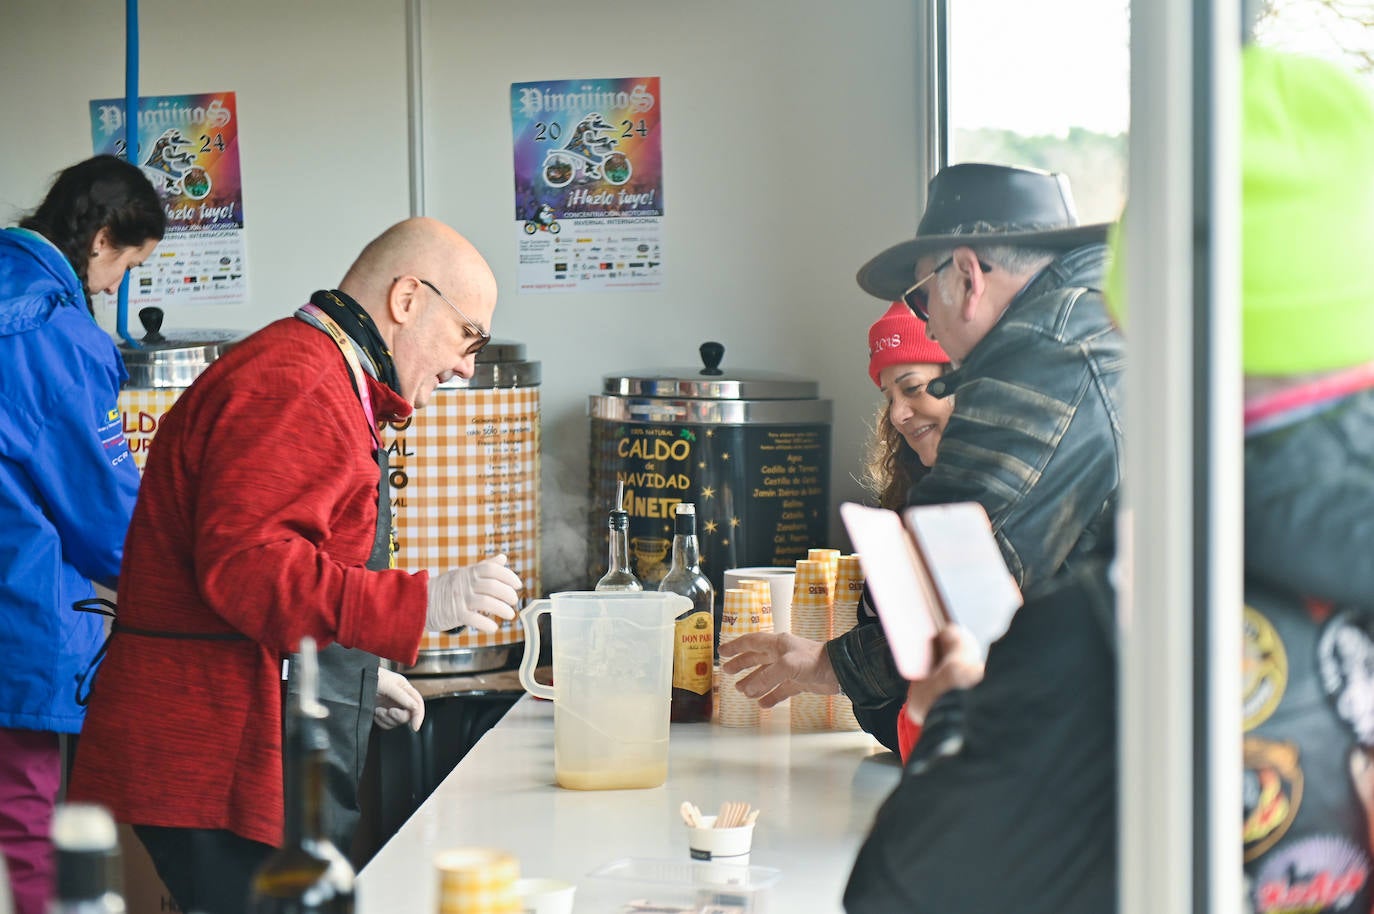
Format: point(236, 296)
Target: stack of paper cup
point(812, 609)
point(849, 588)
point(812, 603)
point(477, 880)
point(780, 580)
point(741, 616)
point(772, 584)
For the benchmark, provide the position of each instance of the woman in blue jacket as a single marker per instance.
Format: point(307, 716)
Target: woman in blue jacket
point(67, 480)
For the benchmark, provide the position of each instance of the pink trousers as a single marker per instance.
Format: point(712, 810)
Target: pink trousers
point(30, 774)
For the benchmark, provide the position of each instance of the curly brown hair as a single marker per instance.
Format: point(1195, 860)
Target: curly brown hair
point(891, 467)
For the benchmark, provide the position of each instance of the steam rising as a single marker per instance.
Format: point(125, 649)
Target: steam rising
point(563, 563)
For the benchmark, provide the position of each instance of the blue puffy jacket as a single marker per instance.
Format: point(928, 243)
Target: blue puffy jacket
point(67, 482)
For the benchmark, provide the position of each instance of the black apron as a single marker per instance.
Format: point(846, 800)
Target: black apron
point(348, 690)
point(348, 676)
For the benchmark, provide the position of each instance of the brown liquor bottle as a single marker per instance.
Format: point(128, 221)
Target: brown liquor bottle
point(693, 634)
point(307, 873)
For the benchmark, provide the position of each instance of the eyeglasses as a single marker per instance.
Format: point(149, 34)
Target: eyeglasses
point(918, 299)
point(483, 337)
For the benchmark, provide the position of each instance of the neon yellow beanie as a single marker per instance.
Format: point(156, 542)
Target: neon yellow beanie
point(1307, 217)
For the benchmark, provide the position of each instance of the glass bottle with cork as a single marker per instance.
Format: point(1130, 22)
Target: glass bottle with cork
point(307, 873)
point(619, 577)
point(694, 631)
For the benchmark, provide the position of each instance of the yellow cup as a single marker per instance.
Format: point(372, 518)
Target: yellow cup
point(477, 880)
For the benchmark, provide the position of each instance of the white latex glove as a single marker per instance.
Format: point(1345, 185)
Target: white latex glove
point(397, 702)
point(475, 596)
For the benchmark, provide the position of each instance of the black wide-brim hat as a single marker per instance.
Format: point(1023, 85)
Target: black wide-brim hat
point(972, 204)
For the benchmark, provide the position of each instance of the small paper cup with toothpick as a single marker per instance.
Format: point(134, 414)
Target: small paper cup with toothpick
point(726, 845)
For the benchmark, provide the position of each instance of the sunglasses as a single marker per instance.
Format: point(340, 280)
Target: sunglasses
point(483, 337)
point(918, 299)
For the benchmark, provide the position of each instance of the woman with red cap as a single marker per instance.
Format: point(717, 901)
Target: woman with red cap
point(902, 360)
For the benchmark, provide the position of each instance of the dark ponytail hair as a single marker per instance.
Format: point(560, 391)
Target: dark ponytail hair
point(101, 192)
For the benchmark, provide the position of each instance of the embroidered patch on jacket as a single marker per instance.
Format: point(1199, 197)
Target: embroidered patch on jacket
point(1323, 874)
point(1272, 791)
point(1264, 668)
point(1345, 661)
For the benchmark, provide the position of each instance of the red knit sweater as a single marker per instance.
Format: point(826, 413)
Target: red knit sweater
point(257, 514)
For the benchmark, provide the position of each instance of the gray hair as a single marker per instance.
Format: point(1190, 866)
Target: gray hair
point(1013, 259)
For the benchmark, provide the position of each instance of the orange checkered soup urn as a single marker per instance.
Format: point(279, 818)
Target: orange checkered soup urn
point(465, 485)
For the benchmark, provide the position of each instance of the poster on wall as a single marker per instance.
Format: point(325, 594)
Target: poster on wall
point(188, 147)
point(588, 184)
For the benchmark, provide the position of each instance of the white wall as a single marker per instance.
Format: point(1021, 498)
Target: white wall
point(321, 98)
point(789, 159)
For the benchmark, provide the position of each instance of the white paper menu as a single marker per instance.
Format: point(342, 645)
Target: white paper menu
point(931, 564)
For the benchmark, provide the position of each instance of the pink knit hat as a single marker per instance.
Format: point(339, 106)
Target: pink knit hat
point(899, 338)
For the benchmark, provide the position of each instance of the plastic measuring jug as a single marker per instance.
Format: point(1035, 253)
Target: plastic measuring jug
point(612, 684)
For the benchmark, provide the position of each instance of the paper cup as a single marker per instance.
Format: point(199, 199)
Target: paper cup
point(849, 590)
point(545, 896)
point(477, 880)
point(765, 592)
point(830, 558)
point(741, 612)
point(726, 845)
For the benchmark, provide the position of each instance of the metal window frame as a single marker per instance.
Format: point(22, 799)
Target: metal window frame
point(415, 104)
point(1180, 613)
point(931, 95)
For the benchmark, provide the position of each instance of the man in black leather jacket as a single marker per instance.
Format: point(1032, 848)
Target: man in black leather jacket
point(1023, 817)
point(1010, 285)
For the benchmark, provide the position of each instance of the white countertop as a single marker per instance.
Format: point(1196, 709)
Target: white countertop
point(818, 793)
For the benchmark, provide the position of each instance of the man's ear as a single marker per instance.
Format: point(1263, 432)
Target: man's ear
point(403, 299)
point(972, 283)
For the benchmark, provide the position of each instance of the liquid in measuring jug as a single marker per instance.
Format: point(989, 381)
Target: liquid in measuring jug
point(612, 679)
point(627, 747)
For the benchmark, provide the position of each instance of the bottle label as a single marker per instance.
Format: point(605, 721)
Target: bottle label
point(693, 649)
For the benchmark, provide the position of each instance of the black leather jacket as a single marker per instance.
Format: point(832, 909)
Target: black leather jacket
point(1309, 676)
point(1023, 818)
point(1315, 476)
point(1035, 437)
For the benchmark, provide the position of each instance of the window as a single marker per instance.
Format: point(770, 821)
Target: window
point(1341, 31)
point(1044, 84)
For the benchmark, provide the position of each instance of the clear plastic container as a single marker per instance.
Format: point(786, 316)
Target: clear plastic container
point(612, 685)
point(635, 884)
